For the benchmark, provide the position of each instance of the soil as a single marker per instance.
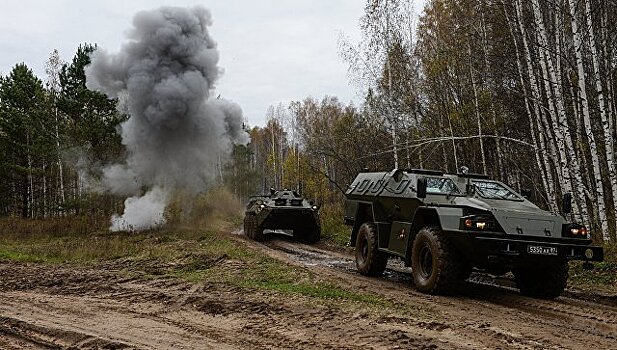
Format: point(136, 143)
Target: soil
point(103, 307)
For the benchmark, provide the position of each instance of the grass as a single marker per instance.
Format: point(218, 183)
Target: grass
point(603, 275)
point(332, 227)
point(192, 254)
point(256, 271)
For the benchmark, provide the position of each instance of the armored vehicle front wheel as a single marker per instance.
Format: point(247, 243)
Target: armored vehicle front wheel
point(435, 264)
point(251, 229)
point(369, 260)
point(544, 282)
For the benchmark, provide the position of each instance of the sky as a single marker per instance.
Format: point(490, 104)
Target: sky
point(271, 51)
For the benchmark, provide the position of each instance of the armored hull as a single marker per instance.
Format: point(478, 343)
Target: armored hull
point(443, 225)
point(283, 212)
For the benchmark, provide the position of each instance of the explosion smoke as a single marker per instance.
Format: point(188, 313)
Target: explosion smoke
point(163, 77)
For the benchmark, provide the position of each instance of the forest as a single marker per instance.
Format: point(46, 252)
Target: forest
point(523, 91)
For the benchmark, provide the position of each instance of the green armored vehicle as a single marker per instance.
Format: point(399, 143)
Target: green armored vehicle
point(443, 225)
point(282, 212)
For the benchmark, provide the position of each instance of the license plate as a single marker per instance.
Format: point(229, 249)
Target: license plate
point(539, 250)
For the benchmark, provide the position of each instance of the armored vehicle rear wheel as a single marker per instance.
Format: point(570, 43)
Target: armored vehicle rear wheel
point(308, 236)
point(544, 282)
point(369, 260)
point(251, 229)
point(435, 264)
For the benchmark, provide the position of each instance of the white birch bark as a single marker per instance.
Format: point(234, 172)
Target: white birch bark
point(477, 108)
point(548, 131)
point(542, 161)
point(560, 122)
point(52, 68)
point(452, 136)
point(492, 100)
point(604, 118)
point(597, 176)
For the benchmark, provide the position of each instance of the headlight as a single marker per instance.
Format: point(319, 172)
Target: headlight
point(477, 223)
point(577, 231)
point(314, 207)
point(261, 206)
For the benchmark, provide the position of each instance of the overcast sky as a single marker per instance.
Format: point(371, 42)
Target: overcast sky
point(271, 50)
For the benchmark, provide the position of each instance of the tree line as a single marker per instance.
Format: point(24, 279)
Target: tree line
point(523, 91)
point(520, 90)
point(44, 127)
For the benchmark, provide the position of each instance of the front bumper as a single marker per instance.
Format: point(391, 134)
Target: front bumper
point(518, 249)
point(288, 218)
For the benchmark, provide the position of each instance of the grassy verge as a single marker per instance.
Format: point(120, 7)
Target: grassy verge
point(253, 270)
point(191, 254)
point(604, 274)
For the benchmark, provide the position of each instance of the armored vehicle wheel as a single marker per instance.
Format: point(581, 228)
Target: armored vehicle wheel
point(545, 282)
point(369, 260)
point(251, 229)
point(308, 236)
point(248, 227)
point(435, 264)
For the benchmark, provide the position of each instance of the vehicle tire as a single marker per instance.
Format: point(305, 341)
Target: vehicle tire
point(251, 229)
point(545, 282)
point(436, 267)
point(248, 225)
point(309, 236)
point(369, 260)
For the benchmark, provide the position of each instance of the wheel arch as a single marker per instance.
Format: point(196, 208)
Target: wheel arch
point(364, 213)
point(422, 218)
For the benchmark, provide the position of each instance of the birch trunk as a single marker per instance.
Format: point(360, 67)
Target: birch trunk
point(59, 160)
point(538, 141)
point(447, 111)
point(597, 176)
point(542, 121)
point(604, 118)
point(560, 122)
point(492, 100)
point(477, 108)
point(578, 123)
point(609, 80)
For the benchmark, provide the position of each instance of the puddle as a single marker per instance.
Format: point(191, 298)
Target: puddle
point(314, 258)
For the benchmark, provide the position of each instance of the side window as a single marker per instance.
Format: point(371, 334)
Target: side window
point(441, 185)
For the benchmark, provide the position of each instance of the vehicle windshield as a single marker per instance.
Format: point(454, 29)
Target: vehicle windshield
point(494, 190)
point(441, 185)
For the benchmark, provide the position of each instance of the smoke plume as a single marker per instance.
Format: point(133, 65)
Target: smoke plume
point(163, 77)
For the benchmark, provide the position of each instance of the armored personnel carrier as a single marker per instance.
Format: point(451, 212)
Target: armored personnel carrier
point(282, 212)
point(443, 225)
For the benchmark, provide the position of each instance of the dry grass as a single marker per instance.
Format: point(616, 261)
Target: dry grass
point(85, 239)
point(53, 227)
point(216, 210)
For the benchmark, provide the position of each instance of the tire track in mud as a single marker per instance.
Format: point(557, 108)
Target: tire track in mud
point(22, 334)
point(494, 308)
point(68, 306)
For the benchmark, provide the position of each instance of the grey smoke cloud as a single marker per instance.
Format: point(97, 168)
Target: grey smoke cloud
point(163, 77)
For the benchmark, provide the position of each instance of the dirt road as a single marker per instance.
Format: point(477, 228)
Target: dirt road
point(43, 306)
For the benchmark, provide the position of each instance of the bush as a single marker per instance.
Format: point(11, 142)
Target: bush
point(333, 228)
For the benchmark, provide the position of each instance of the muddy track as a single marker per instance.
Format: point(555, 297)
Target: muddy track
point(69, 307)
point(488, 309)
